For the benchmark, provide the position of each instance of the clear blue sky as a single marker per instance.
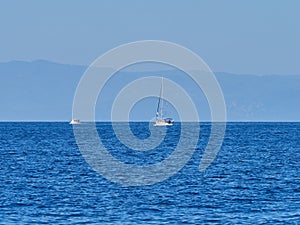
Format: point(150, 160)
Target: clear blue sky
point(258, 37)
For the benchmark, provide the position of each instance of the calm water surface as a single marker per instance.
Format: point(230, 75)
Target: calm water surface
point(254, 179)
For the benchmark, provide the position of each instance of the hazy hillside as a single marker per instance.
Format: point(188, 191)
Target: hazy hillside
point(43, 90)
point(37, 90)
point(269, 97)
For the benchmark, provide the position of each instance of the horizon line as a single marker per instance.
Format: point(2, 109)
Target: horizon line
point(145, 121)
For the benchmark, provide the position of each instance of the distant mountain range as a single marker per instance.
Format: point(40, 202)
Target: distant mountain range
point(43, 91)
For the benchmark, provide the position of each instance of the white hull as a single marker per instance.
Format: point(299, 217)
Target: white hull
point(75, 121)
point(162, 123)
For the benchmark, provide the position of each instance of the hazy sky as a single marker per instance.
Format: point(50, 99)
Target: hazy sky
point(258, 37)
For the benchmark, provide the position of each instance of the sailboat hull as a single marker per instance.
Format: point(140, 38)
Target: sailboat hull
point(163, 122)
point(75, 121)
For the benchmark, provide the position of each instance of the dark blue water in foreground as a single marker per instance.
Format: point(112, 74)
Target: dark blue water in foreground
point(255, 179)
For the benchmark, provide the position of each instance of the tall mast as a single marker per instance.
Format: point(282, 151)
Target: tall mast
point(158, 110)
point(162, 94)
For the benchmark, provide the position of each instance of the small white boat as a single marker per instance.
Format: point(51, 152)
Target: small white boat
point(75, 121)
point(159, 119)
point(164, 122)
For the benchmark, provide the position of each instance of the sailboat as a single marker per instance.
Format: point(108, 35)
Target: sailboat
point(159, 119)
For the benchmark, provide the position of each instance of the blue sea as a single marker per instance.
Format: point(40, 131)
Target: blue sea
point(255, 178)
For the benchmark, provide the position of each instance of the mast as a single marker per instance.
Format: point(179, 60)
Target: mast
point(162, 94)
point(159, 113)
